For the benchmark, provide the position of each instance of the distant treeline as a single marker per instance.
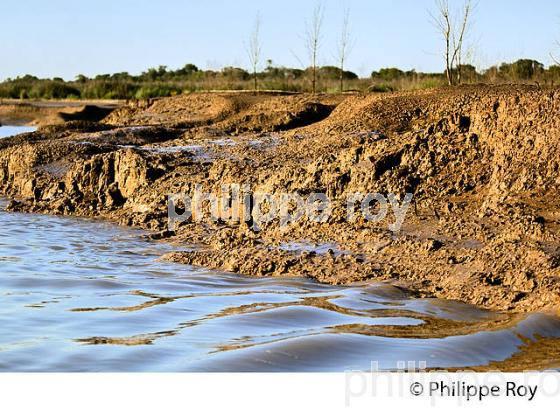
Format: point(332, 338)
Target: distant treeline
point(162, 82)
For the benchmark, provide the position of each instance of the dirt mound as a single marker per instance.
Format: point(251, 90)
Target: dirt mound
point(88, 113)
point(506, 139)
point(229, 112)
point(188, 109)
point(280, 113)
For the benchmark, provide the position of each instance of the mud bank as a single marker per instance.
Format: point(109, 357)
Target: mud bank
point(482, 163)
point(41, 113)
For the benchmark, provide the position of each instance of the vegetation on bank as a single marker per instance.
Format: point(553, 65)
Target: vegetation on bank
point(162, 82)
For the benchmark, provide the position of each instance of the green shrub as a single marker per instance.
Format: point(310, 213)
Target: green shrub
point(53, 90)
point(381, 88)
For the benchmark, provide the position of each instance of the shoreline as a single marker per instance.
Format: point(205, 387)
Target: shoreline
point(46, 112)
point(477, 234)
point(148, 235)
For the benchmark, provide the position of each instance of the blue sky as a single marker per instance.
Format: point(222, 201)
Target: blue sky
point(65, 38)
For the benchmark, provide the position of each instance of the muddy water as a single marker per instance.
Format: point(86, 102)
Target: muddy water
point(79, 295)
point(11, 130)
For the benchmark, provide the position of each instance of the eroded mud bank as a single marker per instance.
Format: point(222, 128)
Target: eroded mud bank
point(482, 163)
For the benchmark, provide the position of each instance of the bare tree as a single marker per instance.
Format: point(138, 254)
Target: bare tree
point(555, 60)
point(554, 57)
point(344, 45)
point(254, 49)
point(442, 21)
point(313, 41)
point(453, 33)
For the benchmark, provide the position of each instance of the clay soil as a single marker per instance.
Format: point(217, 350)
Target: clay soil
point(481, 161)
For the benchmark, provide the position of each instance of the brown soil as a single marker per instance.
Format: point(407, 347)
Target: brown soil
point(482, 163)
point(41, 113)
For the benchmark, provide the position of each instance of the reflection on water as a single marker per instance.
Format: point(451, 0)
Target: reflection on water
point(80, 295)
point(11, 130)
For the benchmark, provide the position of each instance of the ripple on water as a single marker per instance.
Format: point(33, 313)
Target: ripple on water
point(79, 295)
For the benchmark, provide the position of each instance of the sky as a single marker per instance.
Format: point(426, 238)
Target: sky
point(61, 38)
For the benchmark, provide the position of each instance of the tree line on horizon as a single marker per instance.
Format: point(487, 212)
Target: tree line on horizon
point(162, 82)
point(453, 26)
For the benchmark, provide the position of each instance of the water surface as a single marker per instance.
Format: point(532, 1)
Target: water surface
point(81, 295)
point(11, 130)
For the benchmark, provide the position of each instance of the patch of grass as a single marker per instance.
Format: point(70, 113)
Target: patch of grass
point(381, 88)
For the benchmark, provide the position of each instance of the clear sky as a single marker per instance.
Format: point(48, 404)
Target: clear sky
point(64, 38)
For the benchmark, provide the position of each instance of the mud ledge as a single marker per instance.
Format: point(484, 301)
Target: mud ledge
point(49, 112)
point(482, 163)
